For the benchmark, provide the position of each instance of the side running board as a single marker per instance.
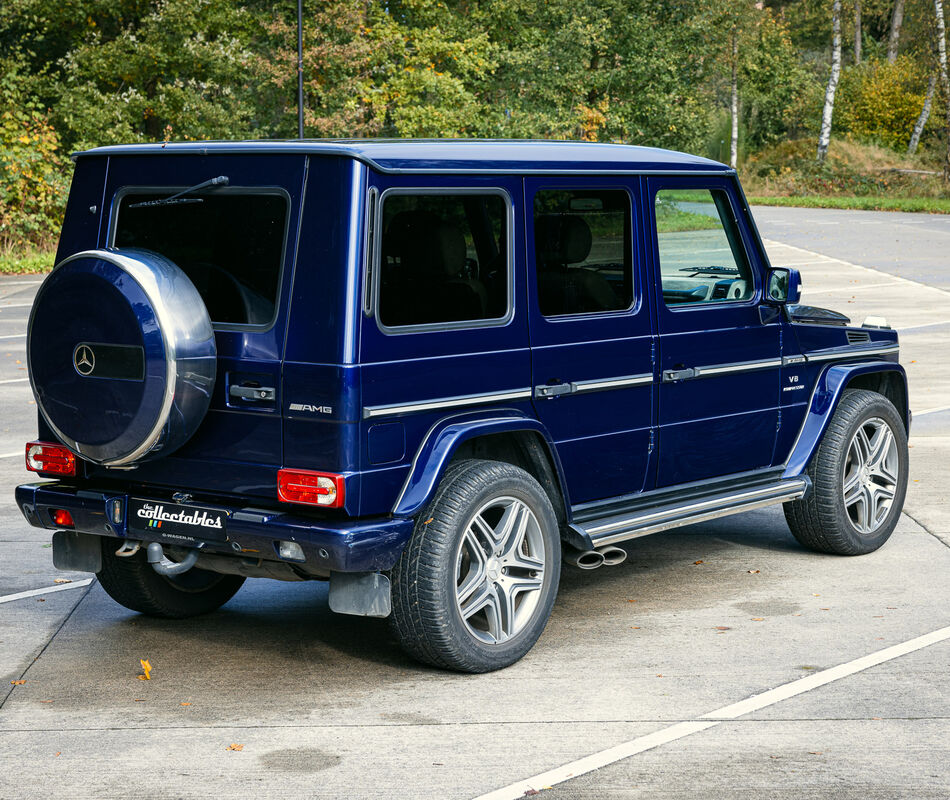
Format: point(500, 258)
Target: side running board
point(620, 527)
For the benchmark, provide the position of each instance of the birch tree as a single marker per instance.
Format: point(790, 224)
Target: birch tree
point(824, 137)
point(894, 39)
point(857, 31)
point(734, 100)
point(944, 81)
point(924, 116)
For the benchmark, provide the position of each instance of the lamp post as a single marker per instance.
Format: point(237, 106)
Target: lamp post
point(300, 69)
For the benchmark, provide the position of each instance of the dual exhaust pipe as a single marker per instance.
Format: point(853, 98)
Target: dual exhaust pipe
point(608, 556)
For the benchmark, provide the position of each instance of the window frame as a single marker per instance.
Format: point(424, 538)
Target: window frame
point(373, 266)
point(632, 219)
point(279, 191)
point(753, 297)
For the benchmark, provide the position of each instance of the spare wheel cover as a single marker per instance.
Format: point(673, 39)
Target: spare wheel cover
point(121, 355)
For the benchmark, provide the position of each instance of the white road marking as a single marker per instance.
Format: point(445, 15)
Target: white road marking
point(14, 380)
point(15, 305)
point(14, 336)
point(935, 410)
point(4, 284)
point(61, 587)
point(852, 287)
point(925, 325)
point(594, 761)
point(777, 245)
point(11, 455)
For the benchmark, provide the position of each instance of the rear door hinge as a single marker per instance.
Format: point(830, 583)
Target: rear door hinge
point(652, 442)
point(778, 422)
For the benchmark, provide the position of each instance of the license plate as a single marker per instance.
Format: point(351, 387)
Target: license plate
point(177, 522)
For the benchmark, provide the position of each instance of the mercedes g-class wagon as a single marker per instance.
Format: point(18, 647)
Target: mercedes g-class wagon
point(428, 372)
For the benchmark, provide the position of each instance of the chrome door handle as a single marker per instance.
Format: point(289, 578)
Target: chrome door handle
point(259, 393)
point(670, 375)
point(553, 390)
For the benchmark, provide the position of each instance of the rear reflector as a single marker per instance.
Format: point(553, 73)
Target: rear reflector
point(52, 459)
point(62, 518)
point(311, 488)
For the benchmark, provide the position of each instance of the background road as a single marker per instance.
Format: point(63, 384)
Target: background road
point(320, 705)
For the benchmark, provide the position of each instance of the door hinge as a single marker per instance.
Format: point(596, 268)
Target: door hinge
point(778, 423)
point(553, 389)
point(652, 441)
point(670, 375)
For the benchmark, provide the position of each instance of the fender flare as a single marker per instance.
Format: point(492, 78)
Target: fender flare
point(444, 438)
point(829, 387)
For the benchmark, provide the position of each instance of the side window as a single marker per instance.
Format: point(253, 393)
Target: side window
point(582, 251)
point(702, 259)
point(443, 259)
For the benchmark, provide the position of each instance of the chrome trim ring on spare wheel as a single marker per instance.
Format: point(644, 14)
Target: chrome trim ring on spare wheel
point(499, 569)
point(871, 473)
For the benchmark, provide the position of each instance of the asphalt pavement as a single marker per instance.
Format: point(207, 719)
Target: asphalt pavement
point(630, 692)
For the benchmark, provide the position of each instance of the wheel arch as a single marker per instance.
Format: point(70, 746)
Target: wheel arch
point(507, 436)
point(884, 377)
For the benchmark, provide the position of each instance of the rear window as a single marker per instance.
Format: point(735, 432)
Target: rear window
point(230, 244)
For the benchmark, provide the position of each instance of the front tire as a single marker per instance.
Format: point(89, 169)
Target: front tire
point(859, 479)
point(131, 582)
point(474, 588)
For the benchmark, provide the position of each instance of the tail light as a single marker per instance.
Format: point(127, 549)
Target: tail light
point(310, 488)
point(51, 459)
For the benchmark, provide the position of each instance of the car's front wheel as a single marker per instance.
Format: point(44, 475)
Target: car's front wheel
point(474, 588)
point(859, 478)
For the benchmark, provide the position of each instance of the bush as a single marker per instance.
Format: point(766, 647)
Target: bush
point(880, 102)
point(34, 175)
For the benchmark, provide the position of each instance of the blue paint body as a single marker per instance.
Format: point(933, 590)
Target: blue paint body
point(324, 351)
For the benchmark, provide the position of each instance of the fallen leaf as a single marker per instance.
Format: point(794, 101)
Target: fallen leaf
point(56, 754)
point(235, 747)
point(892, 608)
point(697, 562)
point(46, 701)
point(754, 571)
point(184, 704)
point(824, 609)
point(631, 601)
point(61, 580)
point(148, 670)
point(634, 627)
point(17, 683)
point(814, 752)
point(659, 675)
point(40, 599)
point(138, 700)
point(723, 628)
point(758, 619)
point(816, 595)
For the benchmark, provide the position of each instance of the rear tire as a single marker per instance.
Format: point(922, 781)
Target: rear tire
point(474, 587)
point(859, 479)
point(132, 582)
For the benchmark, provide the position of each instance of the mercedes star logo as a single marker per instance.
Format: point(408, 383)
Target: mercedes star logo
point(84, 360)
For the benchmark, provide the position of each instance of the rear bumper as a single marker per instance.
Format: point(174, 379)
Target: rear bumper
point(344, 545)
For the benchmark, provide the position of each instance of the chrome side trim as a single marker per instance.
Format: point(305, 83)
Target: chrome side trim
point(794, 492)
point(853, 352)
point(740, 366)
point(645, 520)
point(612, 383)
point(445, 402)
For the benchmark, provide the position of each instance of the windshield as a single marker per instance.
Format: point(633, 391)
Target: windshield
point(230, 244)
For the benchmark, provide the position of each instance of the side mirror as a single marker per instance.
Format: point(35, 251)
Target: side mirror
point(784, 286)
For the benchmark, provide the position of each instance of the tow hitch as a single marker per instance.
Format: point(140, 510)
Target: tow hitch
point(156, 557)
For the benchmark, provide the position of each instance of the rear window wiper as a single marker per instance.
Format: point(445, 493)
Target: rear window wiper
point(175, 199)
point(711, 270)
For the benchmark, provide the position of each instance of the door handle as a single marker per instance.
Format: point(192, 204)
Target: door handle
point(553, 390)
point(671, 375)
point(253, 393)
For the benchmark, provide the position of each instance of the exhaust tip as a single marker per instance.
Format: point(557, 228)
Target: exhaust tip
point(585, 559)
point(613, 555)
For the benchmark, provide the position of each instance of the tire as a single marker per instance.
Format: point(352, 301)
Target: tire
point(132, 583)
point(440, 579)
point(864, 450)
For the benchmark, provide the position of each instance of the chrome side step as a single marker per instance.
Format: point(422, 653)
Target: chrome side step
point(630, 525)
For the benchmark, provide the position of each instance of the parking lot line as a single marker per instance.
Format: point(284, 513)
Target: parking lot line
point(713, 718)
point(924, 325)
point(14, 336)
point(62, 587)
point(851, 288)
point(935, 410)
point(11, 455)
point(14, 380)
point(15, 305)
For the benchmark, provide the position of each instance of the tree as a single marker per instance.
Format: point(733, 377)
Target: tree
point(857, 31)
point(924, 116)
point(944, 80)
point(894, 38)
point(824, 137)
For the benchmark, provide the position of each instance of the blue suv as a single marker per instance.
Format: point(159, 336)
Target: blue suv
point(428, 372)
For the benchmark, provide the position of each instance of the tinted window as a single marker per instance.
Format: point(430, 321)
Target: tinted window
point(582, 251)
point(701, 255)
point(230, 245)
point(443, 258)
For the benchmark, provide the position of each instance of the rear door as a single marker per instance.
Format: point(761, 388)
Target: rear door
point(720, 346)
point(591, 331)
point(235, 242)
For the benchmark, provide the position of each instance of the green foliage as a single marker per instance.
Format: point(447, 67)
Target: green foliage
point(880, 102)
point(34, 176)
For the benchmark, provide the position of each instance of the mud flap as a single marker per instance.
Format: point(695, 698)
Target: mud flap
point(364, 594)
point(77, 552)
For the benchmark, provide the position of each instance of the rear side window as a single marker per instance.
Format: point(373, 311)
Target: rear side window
point(702, 259)
point(229, 244)
point(582, 251)
point(443, 258)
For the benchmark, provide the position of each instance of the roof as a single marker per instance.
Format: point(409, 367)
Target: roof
point(450, 155)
